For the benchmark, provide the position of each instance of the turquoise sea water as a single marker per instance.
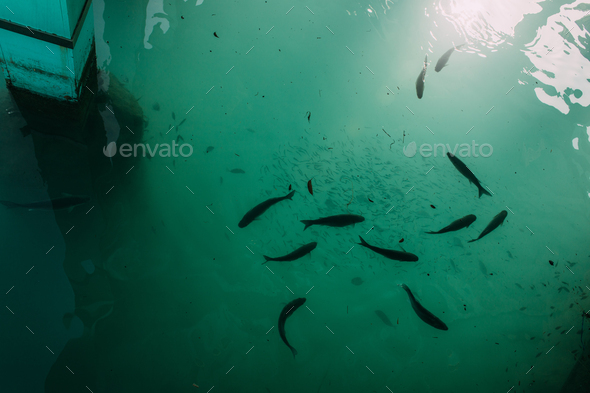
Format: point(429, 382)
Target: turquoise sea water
point(152, 286)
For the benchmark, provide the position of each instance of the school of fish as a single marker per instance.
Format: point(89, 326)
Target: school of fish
point(335, 187)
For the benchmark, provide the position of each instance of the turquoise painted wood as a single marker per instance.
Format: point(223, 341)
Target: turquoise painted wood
point(30, 62)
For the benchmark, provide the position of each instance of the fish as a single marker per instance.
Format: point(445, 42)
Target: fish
point(309, 187)
point(423, 313)
point(457, 224)
point(289, 187)
point(237, 170)
point(156, 107)
point(462, 168)
point(483, 269)
point(340, 220)
point(442, 62)
point(209, 149)
point(496, 221)
point(68, 202)
point(173, 116)
point(299, 253)
point(259, 209)
point(391, 254)
point(420, 80)
point(288, 310)
point(383, 317)
point(357, 281)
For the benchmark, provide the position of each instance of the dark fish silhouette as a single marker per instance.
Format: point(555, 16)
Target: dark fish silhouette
point(391, 254)
point(286, 313)
point(261, 208)
point(423, 313)
point(299, 253)
point(457, 224)
point(156, 107)
point(445, 58)
point(67, 202)
point(237, 170)
point(383, 317)
point(495, 223)
point(420, 80)
point(210, 148)
point(340, 220)
point(309, 187)
point(462, 168)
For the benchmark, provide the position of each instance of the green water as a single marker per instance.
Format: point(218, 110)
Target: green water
point(156, 288)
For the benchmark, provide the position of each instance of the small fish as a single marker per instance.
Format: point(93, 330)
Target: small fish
point(215, 34)
point(62, 203)
point(173, 116)
point(483, 269)
point(420, 80)
point(370, 200)
point(432, 206)
point(401, 240)
point(442, 62)
point(237, 170)
point(462, 168)
point(308, 115)
point(457, 224)
point(309, 187)
point(156, 107)
point(209, 149)
point(289, 187)
point(551, 263)
point(495, 223)
point(340, 220)
point(357, 281)
point(299, 253)
point(179, 137)
point(423, 313)
point(259, 209)
point(288, 310)
point(181, 123)
point(391, 254)
point(383, 317)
